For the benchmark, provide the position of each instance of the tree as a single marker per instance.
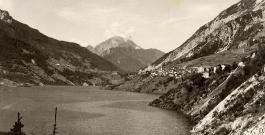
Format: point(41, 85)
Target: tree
point(54, 126)
point(218, 69)
point(250, 41)
point(234, 66)
point(16, 130)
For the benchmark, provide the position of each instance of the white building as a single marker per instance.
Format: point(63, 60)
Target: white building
point(206, 75)
point(200, 69)
point(241, 64)
point(85, 84)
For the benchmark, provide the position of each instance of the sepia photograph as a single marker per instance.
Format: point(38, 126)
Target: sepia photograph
point(132, 67)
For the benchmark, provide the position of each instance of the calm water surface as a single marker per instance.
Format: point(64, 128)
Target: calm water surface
point(87, 111)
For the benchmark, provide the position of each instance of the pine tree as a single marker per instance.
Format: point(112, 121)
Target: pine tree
point(16, 130)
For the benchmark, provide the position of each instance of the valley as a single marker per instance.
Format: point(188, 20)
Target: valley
point(216, 76)
point(212, 84)
point(125, 54)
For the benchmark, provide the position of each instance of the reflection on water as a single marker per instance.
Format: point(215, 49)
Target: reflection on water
point(87, 110)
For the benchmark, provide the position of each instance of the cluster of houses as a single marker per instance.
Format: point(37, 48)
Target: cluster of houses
point(206, 71)
point(174, 72)
point(177, 73)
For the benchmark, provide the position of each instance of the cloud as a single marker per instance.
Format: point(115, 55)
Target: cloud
point(116, 29)
point(174, 20)
point(84, 14)
point(6, 5)
point(68, 14)
point(80, 42)
point(71, 15)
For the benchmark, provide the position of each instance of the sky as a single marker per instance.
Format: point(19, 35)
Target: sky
point(161, 24)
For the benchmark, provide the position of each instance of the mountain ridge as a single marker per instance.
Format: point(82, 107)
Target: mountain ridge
point(27, 53)
point(222, 33)
point(116, 41)
point(125, 54)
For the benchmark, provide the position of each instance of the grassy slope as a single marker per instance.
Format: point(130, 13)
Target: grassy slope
point(20, 44)
point(55, 48)
point(225, 57)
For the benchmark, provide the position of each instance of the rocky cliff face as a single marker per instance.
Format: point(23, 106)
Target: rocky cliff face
point(114, 42)
point(4, 16)
point(126, 54)
point(237, 26)
point(28, 56)
point(228, 102)
point(241, 112)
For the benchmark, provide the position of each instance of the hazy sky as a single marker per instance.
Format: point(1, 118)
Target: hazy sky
point(161, 24)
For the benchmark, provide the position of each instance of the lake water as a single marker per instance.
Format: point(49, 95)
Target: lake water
point(87, 111)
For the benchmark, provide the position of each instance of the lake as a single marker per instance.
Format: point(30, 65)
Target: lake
point(87, 111)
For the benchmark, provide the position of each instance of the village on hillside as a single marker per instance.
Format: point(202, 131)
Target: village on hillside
point(206, 70)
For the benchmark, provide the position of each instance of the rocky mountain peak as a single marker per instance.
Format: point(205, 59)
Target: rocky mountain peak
point(114, 42)
point(118, 38)
point(124, 53)
point(4, 16)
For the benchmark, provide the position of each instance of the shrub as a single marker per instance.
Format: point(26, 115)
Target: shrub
point(234, 65)
point(223, 131)
point(233, 83)
point(194, 76)
point(199, 80)
point(189, 88)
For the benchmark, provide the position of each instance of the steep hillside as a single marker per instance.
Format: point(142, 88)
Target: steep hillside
point(120, 57)
point(130, 59)
point(239, 113)
point(238, 26)
point(228, 102)
point(29, 56)
point(126, 54)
